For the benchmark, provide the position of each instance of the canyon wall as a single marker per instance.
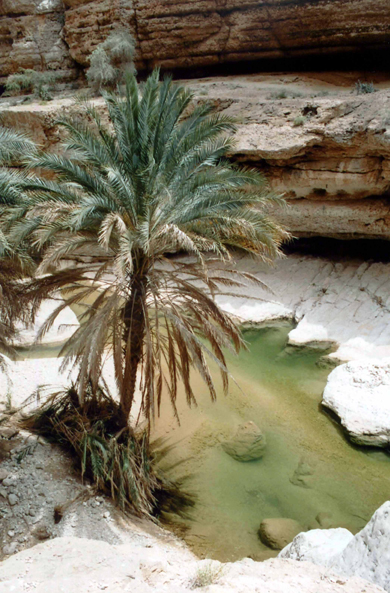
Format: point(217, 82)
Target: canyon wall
point(60, 34)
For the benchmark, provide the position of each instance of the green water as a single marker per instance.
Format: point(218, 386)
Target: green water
point(281, 393)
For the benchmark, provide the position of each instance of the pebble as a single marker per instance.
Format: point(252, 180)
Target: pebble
point(9, 480)
point(3, 474)
point(7, 432)
point(106, 515)
point(3, 492)
point(12, 499)
point(11, 533)
point(10, 548)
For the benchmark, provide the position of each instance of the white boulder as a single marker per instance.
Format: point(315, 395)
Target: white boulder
point(359, 393)
point(365, 555)
point(368, 553)
point(318, 545)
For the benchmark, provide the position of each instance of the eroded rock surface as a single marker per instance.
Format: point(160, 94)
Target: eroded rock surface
point(359, 393)
point(344, 304)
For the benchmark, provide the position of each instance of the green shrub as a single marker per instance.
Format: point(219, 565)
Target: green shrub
point(111, 61)
point(363, 88)
point(31, 81)
point(300, 120)
point(284, 94)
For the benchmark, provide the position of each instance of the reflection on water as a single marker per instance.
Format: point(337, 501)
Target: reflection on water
point(308, 466)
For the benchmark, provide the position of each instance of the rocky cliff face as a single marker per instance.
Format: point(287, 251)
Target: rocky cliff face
point(31, 36)
point(60, 34)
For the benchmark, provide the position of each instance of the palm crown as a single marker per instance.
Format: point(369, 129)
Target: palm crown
point(153, 180)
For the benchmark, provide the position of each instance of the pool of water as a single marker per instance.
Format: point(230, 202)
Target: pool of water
point(279, 390)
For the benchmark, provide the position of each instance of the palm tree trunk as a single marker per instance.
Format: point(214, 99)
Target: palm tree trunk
point(133, 338)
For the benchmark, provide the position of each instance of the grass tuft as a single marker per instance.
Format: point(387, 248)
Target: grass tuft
point(364, 88)
point(300, 120)
point(117, 461)
point(206, 575)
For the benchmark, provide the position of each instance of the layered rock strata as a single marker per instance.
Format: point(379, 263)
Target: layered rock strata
point(31, 36)
point(187, 34)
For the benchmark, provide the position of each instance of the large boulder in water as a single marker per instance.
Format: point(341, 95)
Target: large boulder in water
point(277, 533)
point(359, 393)
point(319, 546)
point(248, 443)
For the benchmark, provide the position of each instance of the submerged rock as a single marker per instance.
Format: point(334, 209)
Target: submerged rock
point(325, 520)
point(318, 546)
point(248, 443)
point(359, 393)
point(277, 533)
point(301, 476)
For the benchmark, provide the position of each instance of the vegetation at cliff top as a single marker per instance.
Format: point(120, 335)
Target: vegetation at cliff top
point(112, 61)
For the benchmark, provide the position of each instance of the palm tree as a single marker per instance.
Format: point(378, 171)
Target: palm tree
point(15, 262)
point(123, 198)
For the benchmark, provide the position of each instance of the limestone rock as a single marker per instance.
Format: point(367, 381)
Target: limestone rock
point(277, 533)
point(76, 565)
point(248, 443)
point(318, 546)
point(359, 393)
point(368, 553)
